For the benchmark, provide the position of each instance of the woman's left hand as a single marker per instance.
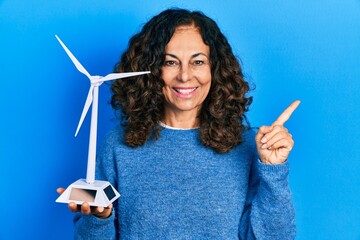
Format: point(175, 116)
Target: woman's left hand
point(274, 142)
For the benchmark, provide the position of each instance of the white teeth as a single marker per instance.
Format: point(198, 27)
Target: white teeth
point(185, 91)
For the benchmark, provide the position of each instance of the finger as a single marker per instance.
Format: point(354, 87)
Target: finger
point(284, 144)
point(262, 132)
point(286, 114)
point(103, 212)
point(275, 129)
point(74, 207)
point(60, 190)
point(99, 210)
point(277, 137)
point(85, 208)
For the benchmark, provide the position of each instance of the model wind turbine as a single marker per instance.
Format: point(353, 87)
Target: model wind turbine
point(95, 192)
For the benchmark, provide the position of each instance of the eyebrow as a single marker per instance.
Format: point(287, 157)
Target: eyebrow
point(192, 56)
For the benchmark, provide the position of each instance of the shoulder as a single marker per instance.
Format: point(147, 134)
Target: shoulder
point(114, 138)
point(248, 137)
point(247, 147)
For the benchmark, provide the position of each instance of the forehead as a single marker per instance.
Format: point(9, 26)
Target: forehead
point(187, 38)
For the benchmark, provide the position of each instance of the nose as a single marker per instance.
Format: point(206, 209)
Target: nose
point(185, 73)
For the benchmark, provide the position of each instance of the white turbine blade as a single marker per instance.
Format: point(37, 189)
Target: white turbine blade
point(86, 108)
point(73, 59)
point(113, 76)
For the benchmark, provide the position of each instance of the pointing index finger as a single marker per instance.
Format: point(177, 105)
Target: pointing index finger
point(286, 114)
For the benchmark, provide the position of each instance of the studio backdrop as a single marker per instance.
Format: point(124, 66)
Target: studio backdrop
point(307, 50)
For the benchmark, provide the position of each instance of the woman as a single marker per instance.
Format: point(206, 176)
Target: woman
point(184, 160)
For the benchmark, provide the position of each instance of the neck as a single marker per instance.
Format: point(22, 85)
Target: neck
point(183, 120)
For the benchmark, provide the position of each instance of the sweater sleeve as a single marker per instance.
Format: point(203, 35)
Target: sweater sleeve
point(269, 211)
point(89, 226)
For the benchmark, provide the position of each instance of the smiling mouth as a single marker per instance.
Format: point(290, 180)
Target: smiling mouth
point(185, 91)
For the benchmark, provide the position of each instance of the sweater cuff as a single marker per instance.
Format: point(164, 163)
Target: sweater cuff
point(274, 182)
point(93, 225)
point(98, 222)
point(275, 172)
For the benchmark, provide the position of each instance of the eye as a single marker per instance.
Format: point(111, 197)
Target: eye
point(170, 63)
point(198, 62)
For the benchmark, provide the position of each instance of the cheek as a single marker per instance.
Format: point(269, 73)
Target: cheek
point(205, 76)
point(206, 89)
point(167, 93)
point(206, 82)
point(167, 77)
point(166, 90)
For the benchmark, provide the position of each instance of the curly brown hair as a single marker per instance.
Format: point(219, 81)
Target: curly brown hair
point(222, 116)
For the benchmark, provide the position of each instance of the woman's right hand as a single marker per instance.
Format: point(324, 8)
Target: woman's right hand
point(86, 209)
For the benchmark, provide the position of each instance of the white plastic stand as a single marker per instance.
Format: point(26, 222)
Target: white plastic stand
point(98, 193)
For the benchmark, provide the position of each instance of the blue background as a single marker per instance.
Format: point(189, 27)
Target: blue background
point(307, 50)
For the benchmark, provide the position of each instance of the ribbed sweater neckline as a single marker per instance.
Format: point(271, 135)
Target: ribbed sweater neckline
point(174, 128)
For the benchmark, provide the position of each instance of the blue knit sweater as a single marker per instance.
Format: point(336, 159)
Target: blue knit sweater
point(175, 188)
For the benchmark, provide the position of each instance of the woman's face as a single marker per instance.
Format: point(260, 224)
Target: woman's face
point(186, 72)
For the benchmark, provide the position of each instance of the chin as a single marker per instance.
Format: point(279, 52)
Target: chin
point(192, 107)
